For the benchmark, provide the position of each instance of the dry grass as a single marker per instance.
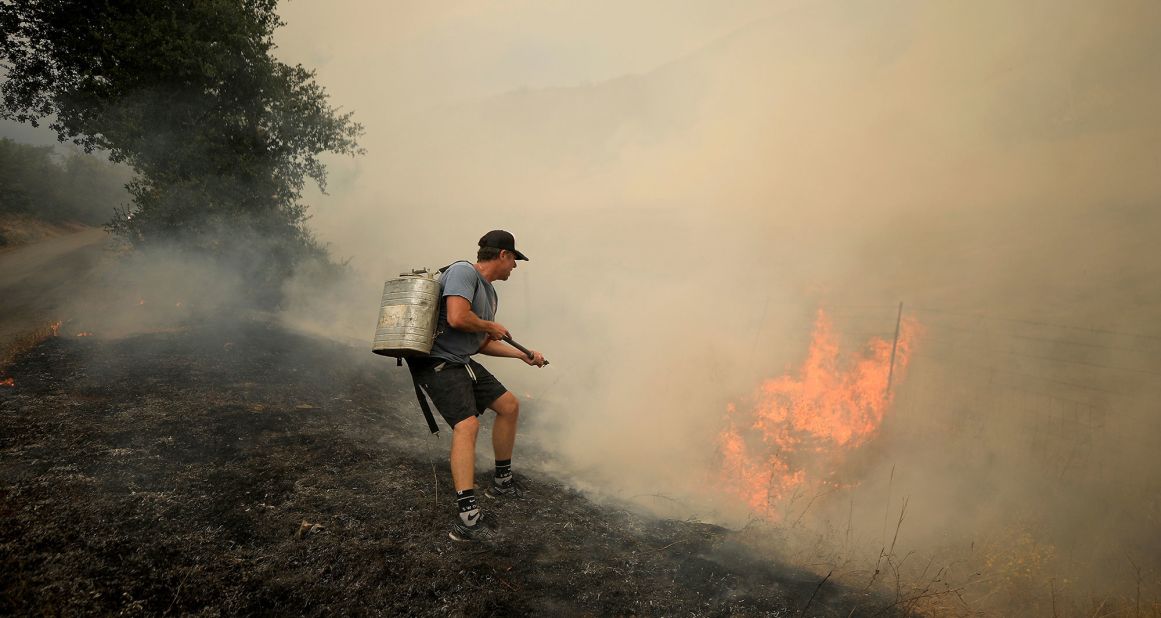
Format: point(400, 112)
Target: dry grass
point(1011, 573)
point(21, 345)
point(19, 229)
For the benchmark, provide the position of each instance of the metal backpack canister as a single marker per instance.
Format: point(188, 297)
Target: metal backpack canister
point(408, 315)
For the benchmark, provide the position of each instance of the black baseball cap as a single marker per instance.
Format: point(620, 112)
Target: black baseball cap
point(500, 239)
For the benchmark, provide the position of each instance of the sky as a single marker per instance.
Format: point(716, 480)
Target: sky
point(420, 55)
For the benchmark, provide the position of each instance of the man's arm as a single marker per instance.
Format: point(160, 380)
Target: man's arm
point(501, 349)
point(461, 317)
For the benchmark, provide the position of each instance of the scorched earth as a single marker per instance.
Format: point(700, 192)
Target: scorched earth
point(238, 468)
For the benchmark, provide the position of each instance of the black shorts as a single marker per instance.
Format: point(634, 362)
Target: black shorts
point(453, 390)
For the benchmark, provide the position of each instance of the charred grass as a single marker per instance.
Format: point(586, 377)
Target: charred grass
point(242, 469)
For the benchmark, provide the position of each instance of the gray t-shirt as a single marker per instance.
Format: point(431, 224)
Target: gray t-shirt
point(462, 279)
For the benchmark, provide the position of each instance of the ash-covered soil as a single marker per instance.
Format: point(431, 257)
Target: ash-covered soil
point(184, 473)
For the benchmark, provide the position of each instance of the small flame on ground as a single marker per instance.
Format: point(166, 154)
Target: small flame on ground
point(84, 334)
point(141, 301)
point(8, 382)
point(802, 426)
point(55, 326)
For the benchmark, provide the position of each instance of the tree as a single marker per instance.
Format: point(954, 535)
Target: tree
point(221, 134)
point(78, 187)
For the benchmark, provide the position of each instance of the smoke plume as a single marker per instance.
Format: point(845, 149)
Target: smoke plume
point(693, 186)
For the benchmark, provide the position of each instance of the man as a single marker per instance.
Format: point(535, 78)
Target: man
point(462, 389)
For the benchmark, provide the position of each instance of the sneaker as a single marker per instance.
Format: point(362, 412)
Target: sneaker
point(511, 489)
point(483, 531)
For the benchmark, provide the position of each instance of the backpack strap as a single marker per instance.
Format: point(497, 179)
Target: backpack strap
point(439, 328)
point(440, 271)
point(425, 407)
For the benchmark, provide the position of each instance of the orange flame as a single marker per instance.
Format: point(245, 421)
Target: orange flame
point(801, 427)
point(8, 382)
point(55, 326)
point(84, 334)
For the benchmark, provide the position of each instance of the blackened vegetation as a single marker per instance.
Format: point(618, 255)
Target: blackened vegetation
point(185, 473)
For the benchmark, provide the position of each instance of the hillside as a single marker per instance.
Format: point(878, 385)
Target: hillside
point(236, 468)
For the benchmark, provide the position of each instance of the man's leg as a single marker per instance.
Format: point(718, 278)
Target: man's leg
point(507, 409)
point(452, 393)
point(463, 463)
point(463, 453)
point(490, 393)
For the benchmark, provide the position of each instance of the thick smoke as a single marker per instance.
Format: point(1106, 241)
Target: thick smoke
point(992, 165)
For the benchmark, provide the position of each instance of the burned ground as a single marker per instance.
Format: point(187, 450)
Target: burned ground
point(184, 472)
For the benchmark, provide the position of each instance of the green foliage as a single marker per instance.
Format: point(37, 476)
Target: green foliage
point(221, 134)
point(79, 187)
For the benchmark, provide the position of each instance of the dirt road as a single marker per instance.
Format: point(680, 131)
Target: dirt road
point(39, 282)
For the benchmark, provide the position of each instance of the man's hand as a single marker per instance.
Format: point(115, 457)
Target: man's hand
point(496, 331)
point(537, 359)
